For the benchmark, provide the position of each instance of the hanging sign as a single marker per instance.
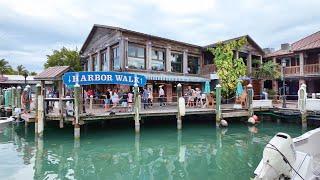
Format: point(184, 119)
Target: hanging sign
point(86, 78)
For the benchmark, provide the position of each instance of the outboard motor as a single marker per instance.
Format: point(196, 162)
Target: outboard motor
point(278, 155)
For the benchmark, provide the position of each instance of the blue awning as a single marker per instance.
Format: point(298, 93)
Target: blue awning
point(175, 78)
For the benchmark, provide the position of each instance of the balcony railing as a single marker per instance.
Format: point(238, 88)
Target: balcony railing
point(208, 69)
point(292, 70)
point(311, 69)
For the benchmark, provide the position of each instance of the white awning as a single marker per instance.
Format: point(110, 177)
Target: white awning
point(171, 77)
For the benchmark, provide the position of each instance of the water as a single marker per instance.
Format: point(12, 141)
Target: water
point(199, 151)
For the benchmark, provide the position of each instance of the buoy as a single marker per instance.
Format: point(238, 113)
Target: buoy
point(223, 123)
point(251, 120)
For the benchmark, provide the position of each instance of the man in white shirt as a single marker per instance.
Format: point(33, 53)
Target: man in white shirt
point(161, 96)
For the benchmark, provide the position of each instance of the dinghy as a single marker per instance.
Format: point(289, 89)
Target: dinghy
point(287, 158)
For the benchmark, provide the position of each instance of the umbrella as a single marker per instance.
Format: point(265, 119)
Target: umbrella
point(239, 90)
point(207, 87)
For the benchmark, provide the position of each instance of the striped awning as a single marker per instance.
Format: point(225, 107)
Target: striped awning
point(175, 78)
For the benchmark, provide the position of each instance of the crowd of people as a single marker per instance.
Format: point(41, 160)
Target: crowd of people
point(117, 97)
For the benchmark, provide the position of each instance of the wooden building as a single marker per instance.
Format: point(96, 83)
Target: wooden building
point(302, 64)
point(163, 61)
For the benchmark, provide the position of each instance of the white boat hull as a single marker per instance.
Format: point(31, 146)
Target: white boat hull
point(307, 161)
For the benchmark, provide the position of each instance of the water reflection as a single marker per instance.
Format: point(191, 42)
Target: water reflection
point(193, 153)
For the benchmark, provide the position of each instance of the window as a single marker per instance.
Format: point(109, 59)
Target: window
point(193, 65)
point(115, 58)
point(158, 60)
point(104, 61)
point(176, 62)
point(136, 57)
point(85, 66)
point(94, 63)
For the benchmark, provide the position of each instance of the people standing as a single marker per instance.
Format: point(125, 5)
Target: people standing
point(150, 97)
point(145, 95)
point(161, 96)
point(130, 101)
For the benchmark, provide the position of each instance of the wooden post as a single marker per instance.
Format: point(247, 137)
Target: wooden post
point(91, 104)
point(77, 99)
point(9, 97)
point(40, 115)
point(38, 92)
point(137, 106)
point(13, 98)
point(18, 105)
point(60, 104)
point(218, 104)
point(29, 98)
point(250, 99)
point(179, 119)
point(302, 100)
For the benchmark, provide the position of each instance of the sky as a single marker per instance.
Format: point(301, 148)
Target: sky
point(32, 29)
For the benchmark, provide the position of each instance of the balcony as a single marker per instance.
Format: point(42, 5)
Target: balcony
point(208, 69)
point(311, 69)
point(292, 70)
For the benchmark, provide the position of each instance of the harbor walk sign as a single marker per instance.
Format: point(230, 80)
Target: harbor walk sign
point(86, 78)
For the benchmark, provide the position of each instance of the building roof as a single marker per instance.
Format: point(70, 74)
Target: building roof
point(280, 52)
point(130, 31)
point(16, 79)
point(250, 40)
point(52, 73)
point(310, 42)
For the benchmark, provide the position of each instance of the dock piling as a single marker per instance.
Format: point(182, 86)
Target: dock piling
point(40, 115)
point(38, 92)
point(13, 98)
point(179, 118)
point(302, 100)
point(250, 100)
point(218, 105)
point(61, 94)
point(18, 105)
point(137, 106)
point(77, 98)
point(91, 103)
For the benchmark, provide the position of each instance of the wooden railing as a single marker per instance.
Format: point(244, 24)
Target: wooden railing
point(208, 69)
point(292, 70)
point(311, 69)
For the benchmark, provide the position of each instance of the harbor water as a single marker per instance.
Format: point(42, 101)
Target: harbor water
point(114, 151)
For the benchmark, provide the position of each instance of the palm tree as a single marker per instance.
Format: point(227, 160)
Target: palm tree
point(21, 69)
point(4, 67)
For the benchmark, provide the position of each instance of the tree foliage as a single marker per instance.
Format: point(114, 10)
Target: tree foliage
point(64, 57)
point(267, 71)
point(229, 69)
point(5, 68)
point(21, 70)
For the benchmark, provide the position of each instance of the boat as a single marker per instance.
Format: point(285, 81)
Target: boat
point(291, 158)
point(5, 121)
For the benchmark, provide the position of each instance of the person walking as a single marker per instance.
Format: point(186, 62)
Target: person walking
point(150, 97)
point(161, 96)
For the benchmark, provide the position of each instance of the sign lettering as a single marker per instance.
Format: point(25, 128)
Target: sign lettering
point(86, 78)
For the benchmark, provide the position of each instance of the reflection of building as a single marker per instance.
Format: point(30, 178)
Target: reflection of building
point(303, 63)
point(163, 61)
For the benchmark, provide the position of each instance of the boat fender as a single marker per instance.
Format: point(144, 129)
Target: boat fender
point(182, 106)
point(251, 120)
point(223, 123)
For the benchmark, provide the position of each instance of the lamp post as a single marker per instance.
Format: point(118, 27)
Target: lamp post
point(283, 64)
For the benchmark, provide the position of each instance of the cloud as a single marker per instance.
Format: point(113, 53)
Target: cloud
point(29, 30)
